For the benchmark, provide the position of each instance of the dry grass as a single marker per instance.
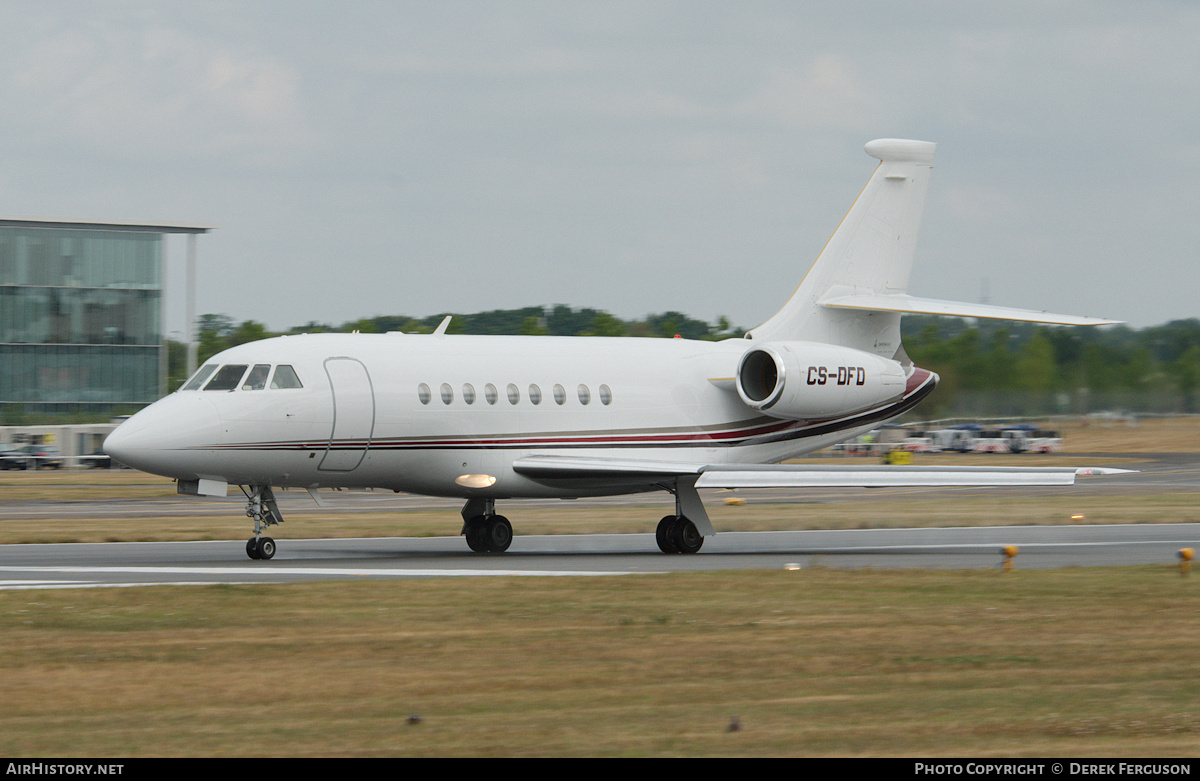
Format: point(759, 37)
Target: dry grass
point(818, 662)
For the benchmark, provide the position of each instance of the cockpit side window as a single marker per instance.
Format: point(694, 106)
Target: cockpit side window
point(257, 378)
point(200, 376)
point(285, 377)
point(226, 378)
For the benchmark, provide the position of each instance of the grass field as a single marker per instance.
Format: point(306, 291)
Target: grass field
point(1080, 662)
point(1084, 662)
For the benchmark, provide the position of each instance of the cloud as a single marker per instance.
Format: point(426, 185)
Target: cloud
point(138, 91)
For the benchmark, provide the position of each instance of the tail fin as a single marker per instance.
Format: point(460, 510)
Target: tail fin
point(856, 291)
point(870, 254)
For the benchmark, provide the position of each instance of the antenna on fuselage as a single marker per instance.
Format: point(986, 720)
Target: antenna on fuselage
point(441, 329)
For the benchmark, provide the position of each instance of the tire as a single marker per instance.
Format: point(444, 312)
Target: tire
point(664, 537)
point(687, 537)
point(476, 534)
point(499, 534)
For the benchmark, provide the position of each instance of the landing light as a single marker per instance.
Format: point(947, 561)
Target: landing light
point(475, 481)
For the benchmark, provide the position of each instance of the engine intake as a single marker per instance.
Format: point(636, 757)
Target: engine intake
point(798, 380)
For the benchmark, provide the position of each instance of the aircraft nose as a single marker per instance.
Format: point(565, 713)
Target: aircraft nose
point(161, 438)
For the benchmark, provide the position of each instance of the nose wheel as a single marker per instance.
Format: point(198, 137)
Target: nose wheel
point(260, 548)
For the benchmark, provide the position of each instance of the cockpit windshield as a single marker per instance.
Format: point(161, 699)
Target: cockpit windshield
point(226, 377)
point(285, 377)
point(257, 378)
point(229, 377)
point(199, 377)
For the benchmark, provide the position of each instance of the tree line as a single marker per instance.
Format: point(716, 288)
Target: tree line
point(986, 367)
point(999, 369)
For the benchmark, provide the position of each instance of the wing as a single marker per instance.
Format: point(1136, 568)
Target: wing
point(584, 471)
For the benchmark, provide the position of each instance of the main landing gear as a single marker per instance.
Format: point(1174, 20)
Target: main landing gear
point(488, 534)
point(485, 531)
point(683, 532)
point(261, 507)
point(677, 534)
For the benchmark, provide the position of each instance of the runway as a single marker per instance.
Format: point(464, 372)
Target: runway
point(189, 563)
point(76, 565)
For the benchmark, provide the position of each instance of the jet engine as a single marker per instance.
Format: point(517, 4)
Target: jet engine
point(800, 380)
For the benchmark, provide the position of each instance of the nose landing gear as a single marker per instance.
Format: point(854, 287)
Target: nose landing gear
point(262, 508)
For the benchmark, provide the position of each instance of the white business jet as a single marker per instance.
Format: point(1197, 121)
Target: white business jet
point(487, 418)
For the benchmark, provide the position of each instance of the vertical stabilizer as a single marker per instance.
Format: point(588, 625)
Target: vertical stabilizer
point(871, 253)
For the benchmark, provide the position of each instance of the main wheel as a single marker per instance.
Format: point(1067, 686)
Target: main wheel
point(252, 548)
point(499, 534)
point(266, 548)
point(666, 541)
point(477, 534)
point(687, 536)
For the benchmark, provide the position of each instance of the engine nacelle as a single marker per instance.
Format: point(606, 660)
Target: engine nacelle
point(800, 380)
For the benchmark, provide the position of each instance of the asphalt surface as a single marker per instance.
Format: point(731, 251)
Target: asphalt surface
point(131, 564)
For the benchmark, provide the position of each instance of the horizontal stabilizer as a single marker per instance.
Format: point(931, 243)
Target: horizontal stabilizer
point(931, 306)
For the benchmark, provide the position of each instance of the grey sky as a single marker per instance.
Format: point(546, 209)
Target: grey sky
point(369, 158)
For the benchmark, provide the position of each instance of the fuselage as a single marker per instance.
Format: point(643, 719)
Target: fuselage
point(448, 415)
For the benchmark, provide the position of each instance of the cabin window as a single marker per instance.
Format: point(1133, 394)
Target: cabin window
point(490, 393)
point(469, 393)
point(514, 394)
point(605, 395)
point(200, 376)
point(285, 377)
point(447, 393)
point(227, 377)
point(535, 394)
point(423, 393)
point(257, 378)
point(560, 395)
point(585, 395)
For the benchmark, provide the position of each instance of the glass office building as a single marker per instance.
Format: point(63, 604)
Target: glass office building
point(81, 314)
